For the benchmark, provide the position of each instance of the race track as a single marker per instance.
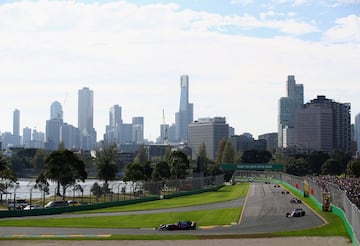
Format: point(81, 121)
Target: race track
point(264, 211)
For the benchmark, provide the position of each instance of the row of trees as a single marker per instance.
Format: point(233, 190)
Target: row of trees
point(317, 162)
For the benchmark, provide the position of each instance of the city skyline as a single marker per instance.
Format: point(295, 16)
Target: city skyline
point(237, 54)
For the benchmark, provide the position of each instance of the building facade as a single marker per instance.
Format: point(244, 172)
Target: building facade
point(86, 119)
point(185, 115)
point(323, 125)
point(209, 131)
point(287, 108)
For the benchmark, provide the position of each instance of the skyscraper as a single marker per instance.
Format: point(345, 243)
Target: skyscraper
point(287, 107)
point(56, 111)
point(16, 128)
point(138, 130)
point(323, 125)
point(209, 131)
point(185, 115)
point(86, 119)
point(357, 133)
point(113, 130)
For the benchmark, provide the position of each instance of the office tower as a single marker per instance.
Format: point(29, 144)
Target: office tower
point(323, 125)
point(16, 138)
point(27, 138)
point(185, 115)
point(271, 141)
point(16, 123)
point(86, 119)
point(209, 131)
point(113, 130)
point(138, 130)
point(56, 111)
point(38, 139)
point(69, 136)
point(287, 107)
point(53, 126)
point(164, 134)
point(357, 133)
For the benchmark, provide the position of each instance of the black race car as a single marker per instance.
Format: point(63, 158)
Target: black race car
point(298, 212)
point(180, 225)
point(295, 200)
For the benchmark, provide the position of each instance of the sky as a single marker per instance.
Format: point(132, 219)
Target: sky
point(237, 53)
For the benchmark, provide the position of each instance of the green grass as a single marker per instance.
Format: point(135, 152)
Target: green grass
point(202, 217)
point(334, 227)
point(225, 193)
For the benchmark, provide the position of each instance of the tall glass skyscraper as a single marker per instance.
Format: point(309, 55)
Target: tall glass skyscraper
point(56, 111)
point(287, 107)
point(185, 115)
point(86, 119)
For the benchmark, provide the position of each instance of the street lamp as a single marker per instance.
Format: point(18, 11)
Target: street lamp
point(15, 187)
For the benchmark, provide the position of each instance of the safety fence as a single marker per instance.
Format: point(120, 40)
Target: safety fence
point(340, 203)
point(116, 194)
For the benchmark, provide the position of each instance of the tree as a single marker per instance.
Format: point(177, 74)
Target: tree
point(161, 171)
point(343, 159)
point(134, 172)
point(105, 163)
point(7, 175)
point(296, 166)
point(220, 150)
point(65, 168)
point(178, 163)
point(315, 160)
point(141, 156)
point(354, 168)
point(38, 161)
point(256, 156)
point(228, 153)
point(331, 167)
point(202, 160)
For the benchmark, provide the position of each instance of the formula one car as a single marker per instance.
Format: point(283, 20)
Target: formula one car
point(295, 200)
point(284, 192)
point(298, 212)
point(180, 225)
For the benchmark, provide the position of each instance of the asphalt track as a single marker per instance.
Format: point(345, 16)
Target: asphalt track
point(264, 211)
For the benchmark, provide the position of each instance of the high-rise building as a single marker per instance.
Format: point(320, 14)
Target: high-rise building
point(16, 123)
point(323, 125)
point(357, 133)
point(56, 111)
point(185, 115)
point(138, 130)
point(271, 141)
point(287, 108)
point(69, 136)
point(27, 137)
point(86, 119)
point(16, 140)
point(209, 131)
point(53, 126)
point(113, 130)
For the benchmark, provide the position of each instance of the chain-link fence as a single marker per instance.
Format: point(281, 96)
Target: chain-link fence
point(94, 191)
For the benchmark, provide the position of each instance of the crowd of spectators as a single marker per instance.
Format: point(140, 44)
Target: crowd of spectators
point(350, 185)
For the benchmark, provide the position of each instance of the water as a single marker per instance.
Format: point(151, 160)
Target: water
point(25, 189)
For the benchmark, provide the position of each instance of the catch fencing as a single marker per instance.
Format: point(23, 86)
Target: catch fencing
point(317, 187)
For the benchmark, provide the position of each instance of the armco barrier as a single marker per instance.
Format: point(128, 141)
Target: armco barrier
point(341, 205)
point(49, 211)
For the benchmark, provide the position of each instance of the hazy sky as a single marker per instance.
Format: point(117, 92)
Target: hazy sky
point(237, 54)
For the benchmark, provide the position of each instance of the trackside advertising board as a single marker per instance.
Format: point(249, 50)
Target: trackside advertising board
point(253, 166)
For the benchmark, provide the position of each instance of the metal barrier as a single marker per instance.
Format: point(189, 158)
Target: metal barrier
point(339, 199)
